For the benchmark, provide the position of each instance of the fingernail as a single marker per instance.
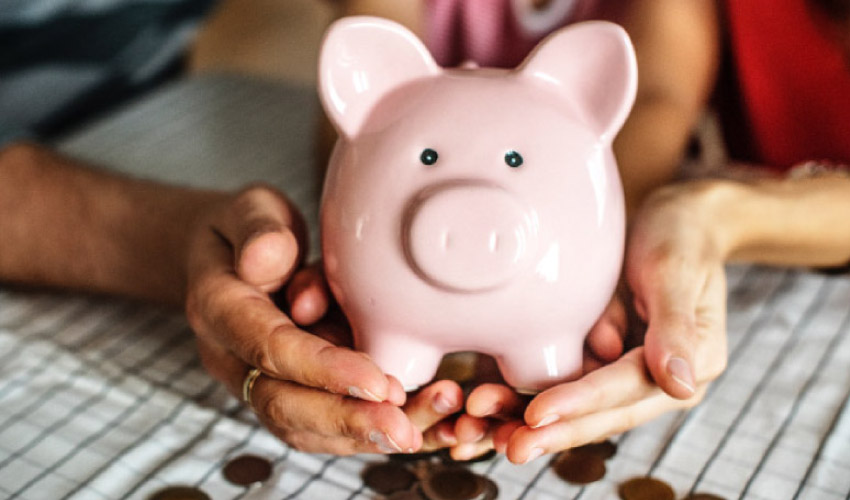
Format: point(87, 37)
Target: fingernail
point(442, 404)
point(534, 454)
point(493, 410)
point(384, 442)
point(550, 419)
point(364, 394)
point(680, 371)
point(463, 452)
point(479, 436)
point(446, 437)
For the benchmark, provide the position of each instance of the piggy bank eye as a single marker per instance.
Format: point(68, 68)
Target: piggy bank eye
point(513, 159)
point(428, 156)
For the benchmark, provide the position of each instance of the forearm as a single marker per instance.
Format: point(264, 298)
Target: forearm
point(65, 225)
point(677, 49)
point(789, 222)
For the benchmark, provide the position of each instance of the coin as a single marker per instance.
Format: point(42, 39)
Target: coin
point(579, 466)
point(388, 477)
point(245, 470)
point(703, 496)
point(454, 483)
point(491, 490)
point(646, 488)
point(413, 494)
point(179, 493)
point(604, 449)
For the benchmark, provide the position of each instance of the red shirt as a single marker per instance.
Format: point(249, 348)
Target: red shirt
point(793, 83)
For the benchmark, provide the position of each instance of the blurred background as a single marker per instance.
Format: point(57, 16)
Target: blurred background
point(270, 38)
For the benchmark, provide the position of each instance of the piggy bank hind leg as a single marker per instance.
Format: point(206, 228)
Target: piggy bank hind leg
point(410, 360)
point(532, 368)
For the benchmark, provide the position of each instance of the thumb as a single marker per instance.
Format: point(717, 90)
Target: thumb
point(267, 237)
point(668, 302)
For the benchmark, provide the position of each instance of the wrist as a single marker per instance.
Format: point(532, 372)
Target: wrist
point(704, 209)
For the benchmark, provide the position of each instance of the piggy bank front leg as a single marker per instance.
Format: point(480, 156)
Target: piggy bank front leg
point(532, 368)
point(410, 360)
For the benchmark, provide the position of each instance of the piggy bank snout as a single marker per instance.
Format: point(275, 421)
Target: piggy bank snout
point(468, 236)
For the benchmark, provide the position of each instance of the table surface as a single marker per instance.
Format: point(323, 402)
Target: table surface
point(102, 398)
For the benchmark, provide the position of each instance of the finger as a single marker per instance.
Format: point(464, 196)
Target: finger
point(267, 236)
point(469, 429)
point(474, 437)
point(494, 401)
point(526, 443)
point(502, 434)
point(619, 384)
point(667, 287)
point(434, 403)
point(671, 335)
point(382, 427)
point(307, 295)
point(247, 323)
point(439, 436)
point(606, 336)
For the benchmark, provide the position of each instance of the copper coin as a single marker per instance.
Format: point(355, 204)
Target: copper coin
point(579, 467)
point(605, 449)
point(388, 477)
point(454, 483)
point(646, 488)
point(413, 494)
point(491, 490)
point(179, 493)
point(245, 470)
point(703, 496)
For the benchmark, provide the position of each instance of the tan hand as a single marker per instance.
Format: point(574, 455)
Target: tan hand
point(314, 395)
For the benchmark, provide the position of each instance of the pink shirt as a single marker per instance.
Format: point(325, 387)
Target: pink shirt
point(496, 33)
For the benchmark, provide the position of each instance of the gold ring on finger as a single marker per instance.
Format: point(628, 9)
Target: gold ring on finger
point(248, 385)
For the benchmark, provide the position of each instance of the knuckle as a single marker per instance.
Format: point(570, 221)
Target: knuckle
point(277, 411)
point(299, 441)
point(259, 356)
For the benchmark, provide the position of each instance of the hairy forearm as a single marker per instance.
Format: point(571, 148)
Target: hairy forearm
point(63, 224)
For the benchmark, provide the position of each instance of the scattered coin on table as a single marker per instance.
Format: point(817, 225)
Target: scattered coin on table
point(414, 494)
point(457, 483)
point(703, 496)
point(245, 470)
point(179, 493)
point(605, 449)
point(579, 466)
point(388, 477)
point(646, 488)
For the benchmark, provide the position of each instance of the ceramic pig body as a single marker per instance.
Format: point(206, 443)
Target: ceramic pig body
point(474, 209)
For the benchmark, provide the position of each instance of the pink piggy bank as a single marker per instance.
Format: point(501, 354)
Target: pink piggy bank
point(474, 209)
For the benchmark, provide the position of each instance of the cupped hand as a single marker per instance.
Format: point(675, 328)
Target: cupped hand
point(312, 394)
point(430, 410)
point(675, 270)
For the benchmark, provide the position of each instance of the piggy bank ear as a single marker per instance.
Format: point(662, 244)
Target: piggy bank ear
point(362, 59)
point(593, 65)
